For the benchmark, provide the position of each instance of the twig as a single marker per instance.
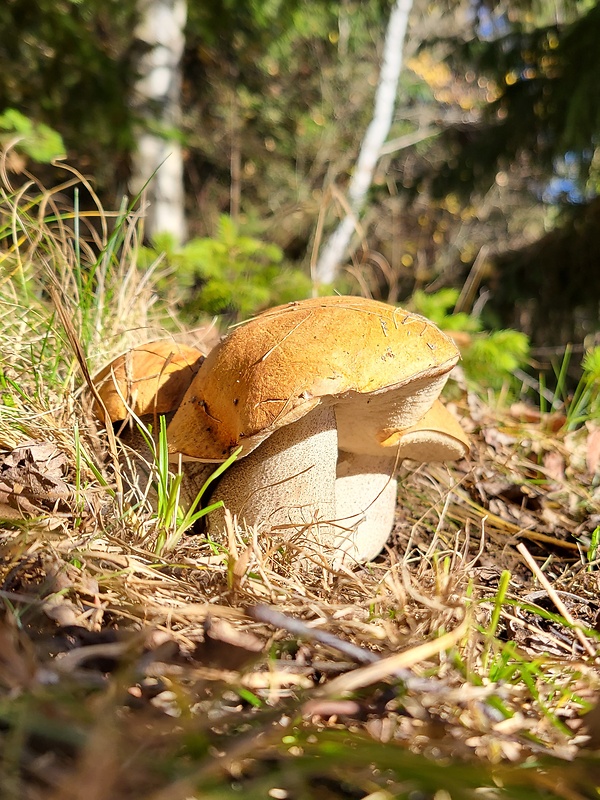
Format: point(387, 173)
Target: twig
point(376, 667)
point(408, 140)
point(271, 616)
point(471, 285)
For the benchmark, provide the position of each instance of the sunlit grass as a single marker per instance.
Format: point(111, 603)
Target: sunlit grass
point(172, 521)
point(104, 681)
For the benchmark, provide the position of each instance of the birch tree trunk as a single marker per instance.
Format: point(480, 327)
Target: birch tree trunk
point(158, 160)
point(335, 248)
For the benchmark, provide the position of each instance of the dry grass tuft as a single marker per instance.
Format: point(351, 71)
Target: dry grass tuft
point(444, 668)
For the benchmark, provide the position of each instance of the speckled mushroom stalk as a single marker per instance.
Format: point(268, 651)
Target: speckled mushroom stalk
point(366, 486)
point(288, 483)
point(379, 367)
point(366, 489)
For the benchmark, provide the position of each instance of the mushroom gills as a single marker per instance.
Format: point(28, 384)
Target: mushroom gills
point(287, 483)
point(365, 499)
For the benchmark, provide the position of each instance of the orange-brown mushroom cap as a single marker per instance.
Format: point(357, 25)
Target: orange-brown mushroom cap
point(149, 379)
point(382, 367)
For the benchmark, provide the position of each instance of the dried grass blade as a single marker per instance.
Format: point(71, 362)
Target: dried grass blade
point(390, 666)
point(81, 359)
point(553, 595)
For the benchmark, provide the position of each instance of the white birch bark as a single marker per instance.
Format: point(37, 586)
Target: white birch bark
point(334, 250)
point(158, 160)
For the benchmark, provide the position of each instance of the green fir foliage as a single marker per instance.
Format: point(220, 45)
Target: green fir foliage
point(70, 65)
point(492, 357)
point(36, 140)
point(548, 102)
point(438, 306)
point(230, 273)
point(584, 403)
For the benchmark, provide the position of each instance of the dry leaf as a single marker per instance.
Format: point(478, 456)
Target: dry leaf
point(17, 662)
point(525, 413)
point(31, 480)
point(225, 646)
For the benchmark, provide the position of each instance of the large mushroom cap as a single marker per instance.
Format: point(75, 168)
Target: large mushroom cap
point(381, 366)
point(149, 379)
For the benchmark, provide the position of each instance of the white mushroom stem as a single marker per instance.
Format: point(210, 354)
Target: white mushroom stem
point(365, 499)
point(365, 491)
point(288, 482)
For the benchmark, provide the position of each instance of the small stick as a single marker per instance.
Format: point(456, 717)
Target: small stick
point(552, 594)
point(263, 613)
point(374, 667)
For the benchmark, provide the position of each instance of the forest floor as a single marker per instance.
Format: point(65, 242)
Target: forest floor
point(136, 662)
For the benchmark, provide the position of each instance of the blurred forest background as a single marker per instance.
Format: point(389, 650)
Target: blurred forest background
point(485, 196)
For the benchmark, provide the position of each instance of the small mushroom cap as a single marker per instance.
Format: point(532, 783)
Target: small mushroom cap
point(149, 379)
point(277, 367)
point(438, 436)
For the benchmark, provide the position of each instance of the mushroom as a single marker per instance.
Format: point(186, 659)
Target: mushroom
point(144, 383)
point(366, 486)
point(147, 380)
point(296, 384)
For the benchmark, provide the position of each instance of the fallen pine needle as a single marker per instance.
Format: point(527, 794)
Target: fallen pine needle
point(392, 665)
